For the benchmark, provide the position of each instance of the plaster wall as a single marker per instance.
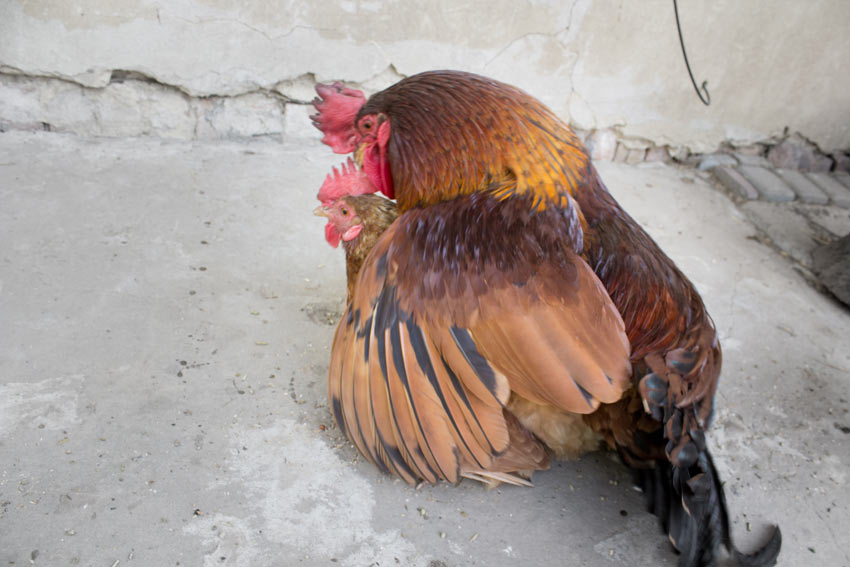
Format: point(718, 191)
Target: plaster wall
point(225, 68)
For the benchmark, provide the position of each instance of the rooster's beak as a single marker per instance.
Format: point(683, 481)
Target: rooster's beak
point(320, 211)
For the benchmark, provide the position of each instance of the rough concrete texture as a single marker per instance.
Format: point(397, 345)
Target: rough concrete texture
point(789, 231)
point(833, 265)
point(602, 66)
point(167, 314)
point(834, 220)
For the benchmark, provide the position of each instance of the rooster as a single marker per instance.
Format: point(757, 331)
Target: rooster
point(514, 303)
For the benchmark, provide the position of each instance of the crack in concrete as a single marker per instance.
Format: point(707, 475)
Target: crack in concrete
point(270, 38)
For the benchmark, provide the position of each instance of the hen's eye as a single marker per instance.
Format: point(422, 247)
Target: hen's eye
point(344, 211)
point(367, 125)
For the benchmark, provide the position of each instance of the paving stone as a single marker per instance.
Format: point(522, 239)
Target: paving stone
point(842, 177)
point(838, 193)
point(804, 187)
point(710, 161)
point(833, 220)
point(789, 231)
point(770, 186)
point(735, 182)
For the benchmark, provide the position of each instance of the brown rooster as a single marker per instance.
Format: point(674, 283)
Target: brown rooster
point(514, 302)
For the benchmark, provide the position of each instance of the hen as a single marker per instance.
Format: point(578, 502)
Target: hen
point(514, 307)
point(355, 217)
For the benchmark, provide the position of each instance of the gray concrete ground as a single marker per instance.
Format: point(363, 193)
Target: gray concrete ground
point(166, 318)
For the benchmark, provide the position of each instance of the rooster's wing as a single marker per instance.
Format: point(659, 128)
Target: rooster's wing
point(442, 329)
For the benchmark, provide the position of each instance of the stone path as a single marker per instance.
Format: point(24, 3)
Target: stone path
point(800, 213)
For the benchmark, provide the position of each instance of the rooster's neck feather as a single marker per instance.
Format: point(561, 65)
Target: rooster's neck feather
point(455, 133)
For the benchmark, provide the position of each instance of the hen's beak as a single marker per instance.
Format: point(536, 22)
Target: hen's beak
point(320, 211)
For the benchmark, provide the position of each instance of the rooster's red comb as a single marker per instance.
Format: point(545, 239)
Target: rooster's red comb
point(337, 108)
point(348, 180)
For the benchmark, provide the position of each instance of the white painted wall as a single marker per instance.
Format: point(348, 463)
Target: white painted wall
point(226, 68)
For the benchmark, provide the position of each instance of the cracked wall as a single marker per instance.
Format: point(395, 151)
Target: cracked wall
point(201, 69)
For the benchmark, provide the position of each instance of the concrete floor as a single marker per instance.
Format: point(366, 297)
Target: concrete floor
point(164, 342)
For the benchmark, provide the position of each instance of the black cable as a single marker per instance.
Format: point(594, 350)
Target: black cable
point(707, 99)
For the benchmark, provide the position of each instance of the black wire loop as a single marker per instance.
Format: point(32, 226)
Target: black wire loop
point(706, 100)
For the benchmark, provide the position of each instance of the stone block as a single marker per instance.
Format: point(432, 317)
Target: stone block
point(770, 186)
point(823, 164)
point(710, 161)
point(789, 231)
point(602, 145)
point(297, 124)
point(805, 189)
point(797, 153)
point(837, 192)
point(735, 182)
point(843, 178)
point(245, 116)
point(658, 154)
point(621, 153)
point(636, 155)
point(140, 108)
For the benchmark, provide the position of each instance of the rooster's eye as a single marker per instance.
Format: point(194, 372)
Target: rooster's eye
point(345, 211)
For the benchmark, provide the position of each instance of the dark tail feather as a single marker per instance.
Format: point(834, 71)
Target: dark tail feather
point(690, 503)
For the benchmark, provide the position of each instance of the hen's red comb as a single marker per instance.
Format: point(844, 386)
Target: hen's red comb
point(337, 108)
point(349, 181)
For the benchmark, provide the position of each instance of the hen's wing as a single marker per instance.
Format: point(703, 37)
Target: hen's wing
point(446, 321)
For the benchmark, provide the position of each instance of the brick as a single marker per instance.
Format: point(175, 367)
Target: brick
point(658, 153)
point(838, 193)
point(770, 186)
point(735, 182)
point(602, 144)
point(805, 189)
point(635, 156)
point(621, 153)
